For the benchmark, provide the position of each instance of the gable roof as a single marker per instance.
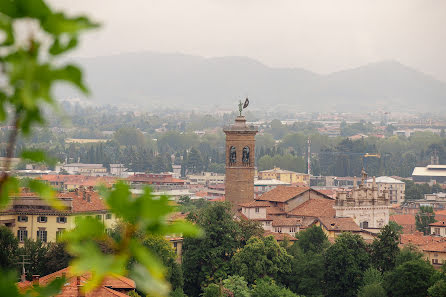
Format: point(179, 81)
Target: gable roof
point(438, 224)
point(403, 219)
point(435, 247)
point(339, 224)
point(283, 193)
point(419, 239)
point(255, 203)
point(317, 207)
point(280, 222)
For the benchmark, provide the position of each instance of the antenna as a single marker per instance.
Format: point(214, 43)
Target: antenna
point(23, 262)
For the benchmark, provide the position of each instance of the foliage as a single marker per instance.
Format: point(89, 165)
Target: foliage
point(262, 257)
point(345, 263)
point(187, 205)
point(206, 259)
point(248, 229)
point(56, 258)
point(408, 253)
point(384, 249)
point(36, 252)
point(237, 286)
point(423, 218)
point(266, 287)
point(312, 239)
point(130, 137)
point(438, 289)
point(8, 250)
point(410, 279)
point(144, 214)
point(372, 290)
point(212, 290)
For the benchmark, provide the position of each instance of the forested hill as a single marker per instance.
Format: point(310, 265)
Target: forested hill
point(150, 79)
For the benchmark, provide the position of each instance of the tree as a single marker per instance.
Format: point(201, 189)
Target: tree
point(372, 284)
point(345, 262)
point(266, 287)
point(313, 239)
point(56, 258)
point(408, 253)
point(385, 247)
point(194, 161)
point(423, 218)
point(162, 249)
point(438, 289)
point(410, 279)
point(248, 229)
point(237, 286)
point(130, 137)
point(206, 259)
point(262, 257)
point(8, 249)
point(35, 252)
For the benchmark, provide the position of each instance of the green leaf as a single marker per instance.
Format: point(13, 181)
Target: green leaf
point(59, 23)
point(58, 47)
point(47, 193)
point(70, 73)
point(87, 228)
point(9, 186)
point(119, 202)
point(6, 27)
point(146, 283)
point(89, 258)
point(153, 265)
point(52, 289)
point(7, 284)
point(184, 228)
point(37, 156)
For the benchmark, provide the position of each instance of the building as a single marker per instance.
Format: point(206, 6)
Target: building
point(206, 178)
point(240, 161)
point(407, 221)
point(395, 188)
point(436, 200)
point(286, 176)
point(333, 227)
point(435, 253)
point(29, 216)
point(155, 180)
point(72, 182)
point(365, 204)
point(82, 168)
point(438, 228)
point(117, 169)
point(264, 185)
point(429, 173)
point(111, 286)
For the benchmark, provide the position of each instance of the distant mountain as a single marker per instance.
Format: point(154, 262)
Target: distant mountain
point(154, 79)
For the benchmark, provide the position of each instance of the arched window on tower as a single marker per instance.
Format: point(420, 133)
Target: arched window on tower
point(245, 157)
point(232, 155)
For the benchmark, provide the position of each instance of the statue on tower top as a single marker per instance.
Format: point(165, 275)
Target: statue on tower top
point(242, 106)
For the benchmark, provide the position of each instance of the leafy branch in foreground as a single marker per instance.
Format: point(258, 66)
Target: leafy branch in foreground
point(145, 214)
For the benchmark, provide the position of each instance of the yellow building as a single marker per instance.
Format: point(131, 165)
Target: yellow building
point(286, 176)
point(30, 217)
point(435, 253)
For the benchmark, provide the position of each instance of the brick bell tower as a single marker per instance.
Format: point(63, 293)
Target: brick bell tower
point(240, 160)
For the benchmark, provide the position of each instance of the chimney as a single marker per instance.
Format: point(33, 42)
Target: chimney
point(36, 279)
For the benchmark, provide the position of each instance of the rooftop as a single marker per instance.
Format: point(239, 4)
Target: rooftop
point(426, 171)
point(385, 180)
point(283, 193)
point(255, 203)
point(339, 224)
point(318, 207)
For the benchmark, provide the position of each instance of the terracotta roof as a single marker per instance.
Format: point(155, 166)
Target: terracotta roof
point(70, 289)
point(403, 219)
point(435, 247)
point(283, 193)
point(279, 236)
point(222, 198)
point(274, 210)
point(419, 239)
point(279, 221)
point(438, 224)
point(255, 203)
point(441, 212)
point(339, 224)
point(80, 204)
point(318, 207)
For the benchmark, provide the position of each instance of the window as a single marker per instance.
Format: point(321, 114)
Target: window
point(364, 225)
point(437, 231)
point(278, 229)
point(267, 223)
point(62, 220)
point(42, 235)
point(108, 216)
point(293, 229)
point(59, 232)
point(245, 156)
point(22, 234)
point(98, 217)
point(232, 155)
point(22, 219)
point(42, 219)
point(434, 261)
point(257, 209)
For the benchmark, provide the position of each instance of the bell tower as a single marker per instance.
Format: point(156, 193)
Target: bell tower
point(240, 154)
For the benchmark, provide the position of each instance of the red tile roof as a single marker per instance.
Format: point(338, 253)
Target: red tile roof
point(283, 193)
point(403, 219)
point(218, 199)
point(317, 207)
point(439, 247)
point(419, 239)
point(70, 289)
point(438, 224)
point(279, 221)
point(274, 210)
point(279, 236)
point(339, 224)
point(255, 203)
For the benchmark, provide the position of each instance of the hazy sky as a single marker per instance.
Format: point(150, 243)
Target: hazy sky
point(318, 35)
